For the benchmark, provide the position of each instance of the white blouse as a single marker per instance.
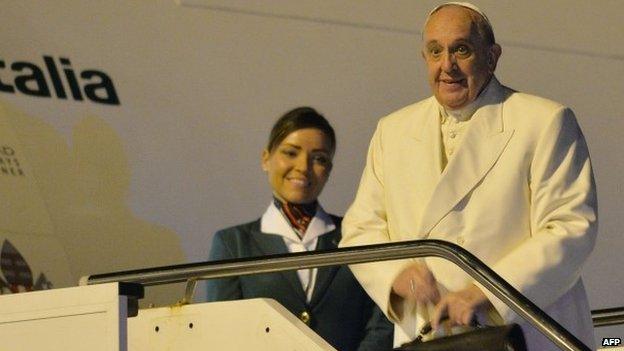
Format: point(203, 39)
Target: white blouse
point(273, 221)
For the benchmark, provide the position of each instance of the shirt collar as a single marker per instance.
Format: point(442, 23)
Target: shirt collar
point(465, 113)
point(274, 222)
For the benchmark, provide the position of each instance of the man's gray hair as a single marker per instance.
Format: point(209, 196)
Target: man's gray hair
point(484, 27)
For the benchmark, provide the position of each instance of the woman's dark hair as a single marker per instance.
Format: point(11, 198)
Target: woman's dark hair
point(300, 118)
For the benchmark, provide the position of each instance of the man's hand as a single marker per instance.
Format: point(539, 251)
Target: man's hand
point(459, 306)
point(416, 282)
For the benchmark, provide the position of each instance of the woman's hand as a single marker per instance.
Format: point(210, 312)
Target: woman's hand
point(459, 306)
point(416, 283)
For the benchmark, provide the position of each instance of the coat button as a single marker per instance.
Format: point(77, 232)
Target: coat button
point(305, 317)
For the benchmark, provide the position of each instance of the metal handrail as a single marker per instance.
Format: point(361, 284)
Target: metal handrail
point(353, 255)
point(608, 316)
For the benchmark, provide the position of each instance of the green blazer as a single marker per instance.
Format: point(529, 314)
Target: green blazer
point(339, 311)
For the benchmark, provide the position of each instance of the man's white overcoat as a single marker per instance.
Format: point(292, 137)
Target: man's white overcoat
point(519, 194)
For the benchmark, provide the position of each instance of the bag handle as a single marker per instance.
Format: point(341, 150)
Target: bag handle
point(427, 328)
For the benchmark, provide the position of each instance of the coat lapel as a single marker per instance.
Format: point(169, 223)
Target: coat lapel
point(483, 143)
point(325, 275)
point(270, 244)
point(419, 158)
point(429, 155)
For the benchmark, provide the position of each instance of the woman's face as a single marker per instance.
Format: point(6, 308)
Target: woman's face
point(299, 166)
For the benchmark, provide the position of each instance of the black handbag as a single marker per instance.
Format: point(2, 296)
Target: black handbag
point(507, 337)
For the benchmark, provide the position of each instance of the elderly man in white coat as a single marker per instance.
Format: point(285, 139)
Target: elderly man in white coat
point(504, 174)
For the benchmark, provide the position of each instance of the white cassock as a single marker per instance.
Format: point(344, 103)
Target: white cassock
point(519, 194)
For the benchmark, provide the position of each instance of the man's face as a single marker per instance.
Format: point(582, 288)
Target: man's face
point(458, 62)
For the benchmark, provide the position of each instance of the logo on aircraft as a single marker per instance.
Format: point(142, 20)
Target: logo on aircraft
point(9, 163)
point(57, 78)
point(18, 276)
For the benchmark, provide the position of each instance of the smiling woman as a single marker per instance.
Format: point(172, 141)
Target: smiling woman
point(298, 161)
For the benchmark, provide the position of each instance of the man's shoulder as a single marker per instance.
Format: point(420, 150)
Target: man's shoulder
point(529, 102)
point(533, 114)
point(409, 112)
